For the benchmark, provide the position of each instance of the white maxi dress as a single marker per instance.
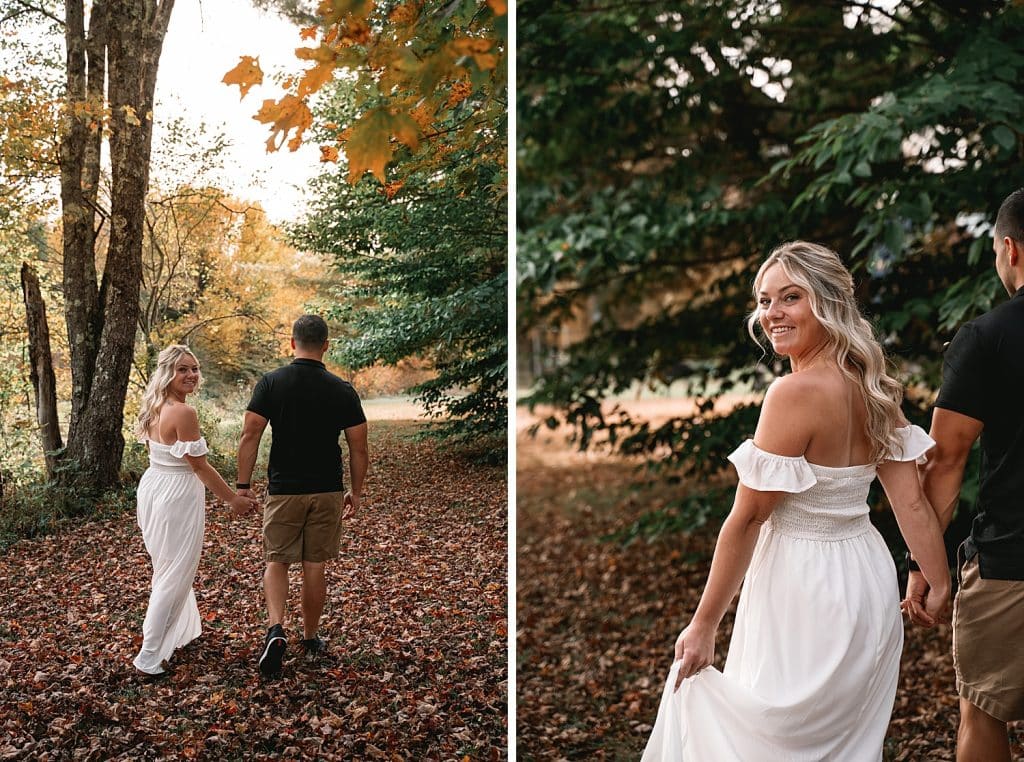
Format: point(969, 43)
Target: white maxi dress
point(172, 517)
point(813, 664)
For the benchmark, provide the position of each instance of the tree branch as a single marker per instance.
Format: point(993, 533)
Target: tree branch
point(30, 8)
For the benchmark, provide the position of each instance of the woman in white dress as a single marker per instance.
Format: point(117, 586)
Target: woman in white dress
point(812, 668)
point(172, 505)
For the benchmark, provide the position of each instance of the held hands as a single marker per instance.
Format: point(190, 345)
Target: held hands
point(243, 502)
point(695, 648)
point(925, 605)
point(351, 505)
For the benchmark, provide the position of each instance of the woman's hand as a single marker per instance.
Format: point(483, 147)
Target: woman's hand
point(695, 648)
point(913, 605)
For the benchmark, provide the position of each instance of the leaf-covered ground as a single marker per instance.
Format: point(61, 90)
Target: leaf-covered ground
point(597, 620)
point(415, 623)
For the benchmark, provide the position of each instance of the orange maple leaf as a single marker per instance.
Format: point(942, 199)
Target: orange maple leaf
point(315, 78)
point(245, 75)
point(309, 33)
point(405, 129)
point(289, 113)
point(500, 7)
point(328, 153)
point(369, 146)
point(322, 54)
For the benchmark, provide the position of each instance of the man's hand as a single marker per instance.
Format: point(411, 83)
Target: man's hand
point(351, 505)
point(241, 504)
point(253, 500)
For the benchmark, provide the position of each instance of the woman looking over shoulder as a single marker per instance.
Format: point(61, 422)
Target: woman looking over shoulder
point(171, 505)
point(813, 663)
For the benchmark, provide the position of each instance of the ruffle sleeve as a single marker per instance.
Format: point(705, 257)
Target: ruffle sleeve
point(768, 472)
point(195, 449)
point(915, 444)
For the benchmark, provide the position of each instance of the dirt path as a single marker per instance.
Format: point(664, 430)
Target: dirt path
point(415, 621)
point(393, 409)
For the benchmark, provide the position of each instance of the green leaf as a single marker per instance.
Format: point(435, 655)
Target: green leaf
point(1005, 137)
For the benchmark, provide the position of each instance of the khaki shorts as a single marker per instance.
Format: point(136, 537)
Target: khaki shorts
point(988, 650)
point(302, 527)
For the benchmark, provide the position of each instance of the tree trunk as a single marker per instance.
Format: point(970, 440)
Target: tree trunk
point(44, 382)
point(118, 57)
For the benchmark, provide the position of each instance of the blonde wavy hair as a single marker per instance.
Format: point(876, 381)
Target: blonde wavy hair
point(851, 340)
point(155, 396)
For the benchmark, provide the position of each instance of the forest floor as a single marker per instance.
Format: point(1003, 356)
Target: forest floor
point(597, 618)
point(415, 622)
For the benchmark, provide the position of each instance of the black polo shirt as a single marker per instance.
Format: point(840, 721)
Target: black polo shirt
point(308, 407)
point(982, 377)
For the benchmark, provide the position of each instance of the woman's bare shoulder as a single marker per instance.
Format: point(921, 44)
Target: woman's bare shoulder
point(795, 387)
point(789, 415)
point(178, 412)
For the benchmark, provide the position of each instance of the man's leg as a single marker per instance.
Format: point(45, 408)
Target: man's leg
point(314, 592)
point(275, 590)
point(980, 737)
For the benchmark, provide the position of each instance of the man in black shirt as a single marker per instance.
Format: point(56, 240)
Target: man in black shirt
point(307, 408)
point(982, 375)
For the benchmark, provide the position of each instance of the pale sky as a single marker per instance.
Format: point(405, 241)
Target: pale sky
point(204, 40)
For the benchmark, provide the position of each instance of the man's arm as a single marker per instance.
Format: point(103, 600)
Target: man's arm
point(249, 445)
point(359, 464)
point(954, 435)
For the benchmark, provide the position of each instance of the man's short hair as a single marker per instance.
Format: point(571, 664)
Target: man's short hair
point(1010, 220)
point(309, 332)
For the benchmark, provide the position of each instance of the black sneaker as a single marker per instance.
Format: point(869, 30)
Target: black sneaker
point(273, 651)
point(314, 646)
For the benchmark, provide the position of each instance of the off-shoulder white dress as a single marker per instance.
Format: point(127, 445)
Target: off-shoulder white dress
point(814, 659)
point(172, 517)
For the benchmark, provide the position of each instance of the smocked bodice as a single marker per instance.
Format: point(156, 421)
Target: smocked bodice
point(824, 502)
point(172, 457)
point(834, 508)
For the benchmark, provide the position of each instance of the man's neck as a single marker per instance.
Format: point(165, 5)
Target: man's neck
point(308, 356)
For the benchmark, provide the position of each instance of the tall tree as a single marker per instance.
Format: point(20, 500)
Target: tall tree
point(889, 133)
point(111, 71)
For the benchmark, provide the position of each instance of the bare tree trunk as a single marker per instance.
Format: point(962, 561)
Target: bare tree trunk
point(44, 382)
point(119, 57)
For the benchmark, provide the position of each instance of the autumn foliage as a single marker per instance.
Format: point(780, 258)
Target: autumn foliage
point(430, 77)
point(415, 623)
